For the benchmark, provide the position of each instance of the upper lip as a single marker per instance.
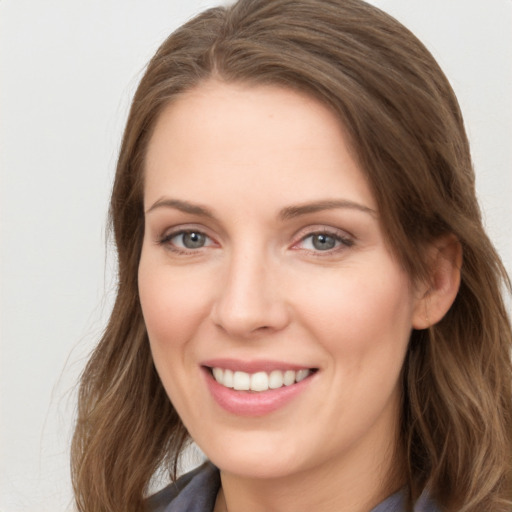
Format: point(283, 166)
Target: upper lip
point(253, 366)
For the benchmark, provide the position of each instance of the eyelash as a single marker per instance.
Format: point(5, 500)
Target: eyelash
point(342, 241)
point(165, 240)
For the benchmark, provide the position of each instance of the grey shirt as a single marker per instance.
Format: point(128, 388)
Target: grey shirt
point(197, 491)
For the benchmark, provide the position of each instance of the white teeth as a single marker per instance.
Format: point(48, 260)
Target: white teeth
point(260, 381)
point(275, 380)
point(241, 381)
point(227, 379)
point(289, 377)
point(301, 375)
point(217, 373)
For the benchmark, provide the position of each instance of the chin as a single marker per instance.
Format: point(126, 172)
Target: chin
point(264, 467)
point(256, 459)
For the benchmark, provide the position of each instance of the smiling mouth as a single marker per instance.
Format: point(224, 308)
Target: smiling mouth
point(259, 381)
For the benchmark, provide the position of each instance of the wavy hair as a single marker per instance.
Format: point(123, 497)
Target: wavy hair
point(406, 130)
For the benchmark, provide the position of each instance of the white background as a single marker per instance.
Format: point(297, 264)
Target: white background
point(68, 69)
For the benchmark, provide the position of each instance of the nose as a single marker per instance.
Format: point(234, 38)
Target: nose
point(250, 301)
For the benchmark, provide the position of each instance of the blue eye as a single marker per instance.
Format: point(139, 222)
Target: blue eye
point(324, 242)
point(187, 240)
point(192, 239)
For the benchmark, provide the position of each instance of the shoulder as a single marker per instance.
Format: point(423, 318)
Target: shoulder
point(397, 503)
point(193, 492)
point(426, 504)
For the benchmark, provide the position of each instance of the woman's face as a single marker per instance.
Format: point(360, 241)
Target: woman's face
point(277, 317)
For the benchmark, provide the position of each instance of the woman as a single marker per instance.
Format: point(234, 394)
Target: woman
point(305, 286)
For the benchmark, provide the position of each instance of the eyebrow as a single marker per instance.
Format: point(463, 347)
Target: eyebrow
point(183, 206)
point(287, 213)
point(291, 212)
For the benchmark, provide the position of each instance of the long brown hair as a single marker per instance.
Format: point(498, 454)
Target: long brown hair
point(407, 132)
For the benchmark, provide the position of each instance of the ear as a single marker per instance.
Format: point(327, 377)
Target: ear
point(436, 295)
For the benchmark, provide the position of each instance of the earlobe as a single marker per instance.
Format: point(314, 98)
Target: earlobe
point(437, 295)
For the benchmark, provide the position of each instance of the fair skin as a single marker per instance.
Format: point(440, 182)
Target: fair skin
point(263, 253)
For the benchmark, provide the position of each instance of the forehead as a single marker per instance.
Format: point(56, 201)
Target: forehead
point(251, 140)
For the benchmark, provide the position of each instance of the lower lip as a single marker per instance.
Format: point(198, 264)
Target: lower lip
point(247, 403)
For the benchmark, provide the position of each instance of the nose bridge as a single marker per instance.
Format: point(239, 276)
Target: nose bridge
point(248, 301)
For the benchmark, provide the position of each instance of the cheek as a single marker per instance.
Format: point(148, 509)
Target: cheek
point(173, 302)
point(359, 312)
point(174, 305)
point(363, 323)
